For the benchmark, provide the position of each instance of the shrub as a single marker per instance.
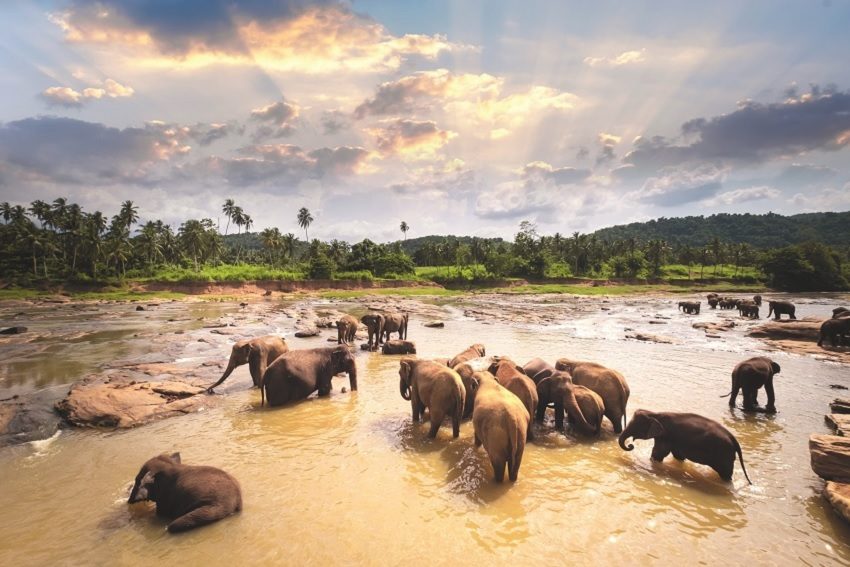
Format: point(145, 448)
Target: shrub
point(321, 268)
point(395, 263)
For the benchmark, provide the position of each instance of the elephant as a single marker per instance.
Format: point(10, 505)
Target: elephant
point(750, 375)
point(712, 302)
point(428, 384)
point(346, 329)
point(778, 308)
point(396, 346)
point(838, 331)
point(466, 370)
point(258, 353)
point(537, 369)
point(473, 351)
point(511, 376)
point(725, 304)
point(375, 325)
point(559, 390)
point(690, 307)
point(501, 424)
point(757, 300)
point(298, 373)
point(688, 436)
point(748, 309)
point(608, 383)
point(840, 313)
point(395, 322)
point(193, 495)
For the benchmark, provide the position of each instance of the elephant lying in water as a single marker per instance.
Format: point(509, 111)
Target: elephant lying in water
point(501, 424)
point(687, 436)
point(396, 346)
point(608, 383)
point(429, 384)
point(193, 495)
point(258, 353)
point(298, 373)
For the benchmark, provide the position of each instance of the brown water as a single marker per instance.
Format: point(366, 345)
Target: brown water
point(349, 480)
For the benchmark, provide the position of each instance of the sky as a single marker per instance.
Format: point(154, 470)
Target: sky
point(463, 117)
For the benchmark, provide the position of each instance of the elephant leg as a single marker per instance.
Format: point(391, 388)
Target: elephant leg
point(771, 397)
point(559, 415)
point(415, 405)
point(197, 517)
point(733, 397)
point(724, 469)
point(677, 454)
point(661, 449)
point(540, 414)
point(513, 464)
point(616, 420)
point(455, 425)
point(750, 402)
point(436, 420)
point(476, 441)
point(498, 469)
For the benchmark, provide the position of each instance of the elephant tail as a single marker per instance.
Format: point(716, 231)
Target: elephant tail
point(741, 459)
point(513, 441)
point(460, 402)
point(726, 395)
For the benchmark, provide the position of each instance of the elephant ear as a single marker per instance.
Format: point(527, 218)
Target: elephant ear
point(655, 429)
point(775, 367)
point(175, 457)
point(544, 388)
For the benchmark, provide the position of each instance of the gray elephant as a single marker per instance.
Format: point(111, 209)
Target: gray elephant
point(750, 375)
point(467, 370)
point(396, 346)
point(501, 424)
point(395, 323)
point(511, 376)
point(838, 331)
point(346, 329)
point(558, 389)
point(608, 383)
point(428, 384)
point(298, 373)
point(757, 300)
point(688, 436)
point(748, 309)
point(778, 308)
point(375, 325)
point(840, 313)
point(473, 351)
point(690, 307)
point(258, 353)
point(537, 369)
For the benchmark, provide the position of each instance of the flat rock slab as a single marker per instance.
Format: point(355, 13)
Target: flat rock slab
point(840, 405)
point(788, 329)
point(714, 327)
point(304, 332)
point(646, 337)
point(830, 456)
point(435, 324)
point(13, 331)
point(839, 422)
point(124, 405)
point(838, 495)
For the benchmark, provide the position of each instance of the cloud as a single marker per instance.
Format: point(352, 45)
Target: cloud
point(624, 58)
point(289, 35)
point(679, 186)
point(743, 195)
point(206, 134)
point(754, 133)
point(334, 121)
point(69, 98)
point(410, 138)
point(830, 199)
point(798, 175)
point(437, 181)
point(275, 120)
point(559, 175)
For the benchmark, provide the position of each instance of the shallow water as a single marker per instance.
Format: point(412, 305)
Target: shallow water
point(350, 480)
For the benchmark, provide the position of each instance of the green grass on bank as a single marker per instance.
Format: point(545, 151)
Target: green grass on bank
point(223, 273)
point(724, 271)
point(108, 295)
point(628, 289)
point(394, 291)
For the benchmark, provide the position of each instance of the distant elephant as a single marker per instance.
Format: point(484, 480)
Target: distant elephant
point(428, 384)
point(298, 373)
point(501, 424)
point(559, 390)
point(537, 369)
point(690, 307)
point(473, 351)
point(511, 376)
point(258, 353)
point(748, 309)
point(757, 300)
point(838, 331)
point(713, 300)
point(608, 383)
point(396, 346)
point(840, 313)
point(688, 436)
point(750, 375)
point(346, 329)
point(778, 308)
point(193, 495)
point(395, 323)
point(375, 324)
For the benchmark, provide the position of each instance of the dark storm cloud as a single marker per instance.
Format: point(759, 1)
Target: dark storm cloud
point(754, 133)
point(179, 26)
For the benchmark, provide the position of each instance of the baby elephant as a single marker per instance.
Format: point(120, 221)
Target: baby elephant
point(258, 353)
point(690, 307)
point(193, 495)
point(396, 346)
point(749, 376)
point(837, 330)
point(687, 436)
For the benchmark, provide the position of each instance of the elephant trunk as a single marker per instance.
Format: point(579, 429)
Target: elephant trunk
point(627, 432)
point(231, 366)
point(574, 410)
point(352, 375)
point(404, 388)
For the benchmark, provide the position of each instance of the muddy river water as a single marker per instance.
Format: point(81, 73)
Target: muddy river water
point(350, 480)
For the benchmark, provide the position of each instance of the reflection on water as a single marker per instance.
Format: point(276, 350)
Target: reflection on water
point(350, 479)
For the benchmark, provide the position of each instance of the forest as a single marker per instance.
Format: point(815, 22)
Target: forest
point(55, 242)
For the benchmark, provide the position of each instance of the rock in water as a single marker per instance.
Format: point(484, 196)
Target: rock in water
point(303, 332)
point(840, 405)
point(435, 324)
point(796, 330)
point(830, 455)
point(839, 422)
point(13, 331)
point(838, 495)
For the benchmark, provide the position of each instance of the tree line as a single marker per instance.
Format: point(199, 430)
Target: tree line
point(60, 241)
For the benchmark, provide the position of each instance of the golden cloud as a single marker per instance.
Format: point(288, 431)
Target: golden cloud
point(624, 58)
point(410, 139)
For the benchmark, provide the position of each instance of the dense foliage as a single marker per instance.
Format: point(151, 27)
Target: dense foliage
point(59, 241)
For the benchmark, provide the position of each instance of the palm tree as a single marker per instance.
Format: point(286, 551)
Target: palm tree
point(716, 253)
point(288, 242)
point(228, 208)
point(128, 214)
point(191, 235)
point(6, 211)
point(272, 241)
point(304, 220)
point(404, 228)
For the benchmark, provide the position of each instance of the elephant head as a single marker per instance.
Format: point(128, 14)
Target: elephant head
point(774, 368)
point(238, 357)
point(144, 488)
point(558, 388)
point(343, 361)
point(375, 323)
point(503, 361)
point(405, 369)
point(644, 425)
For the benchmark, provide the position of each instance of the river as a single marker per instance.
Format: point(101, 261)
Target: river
point(349, 479)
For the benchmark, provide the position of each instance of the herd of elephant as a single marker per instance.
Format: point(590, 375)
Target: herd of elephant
point(498, 395)
point(836, 329)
